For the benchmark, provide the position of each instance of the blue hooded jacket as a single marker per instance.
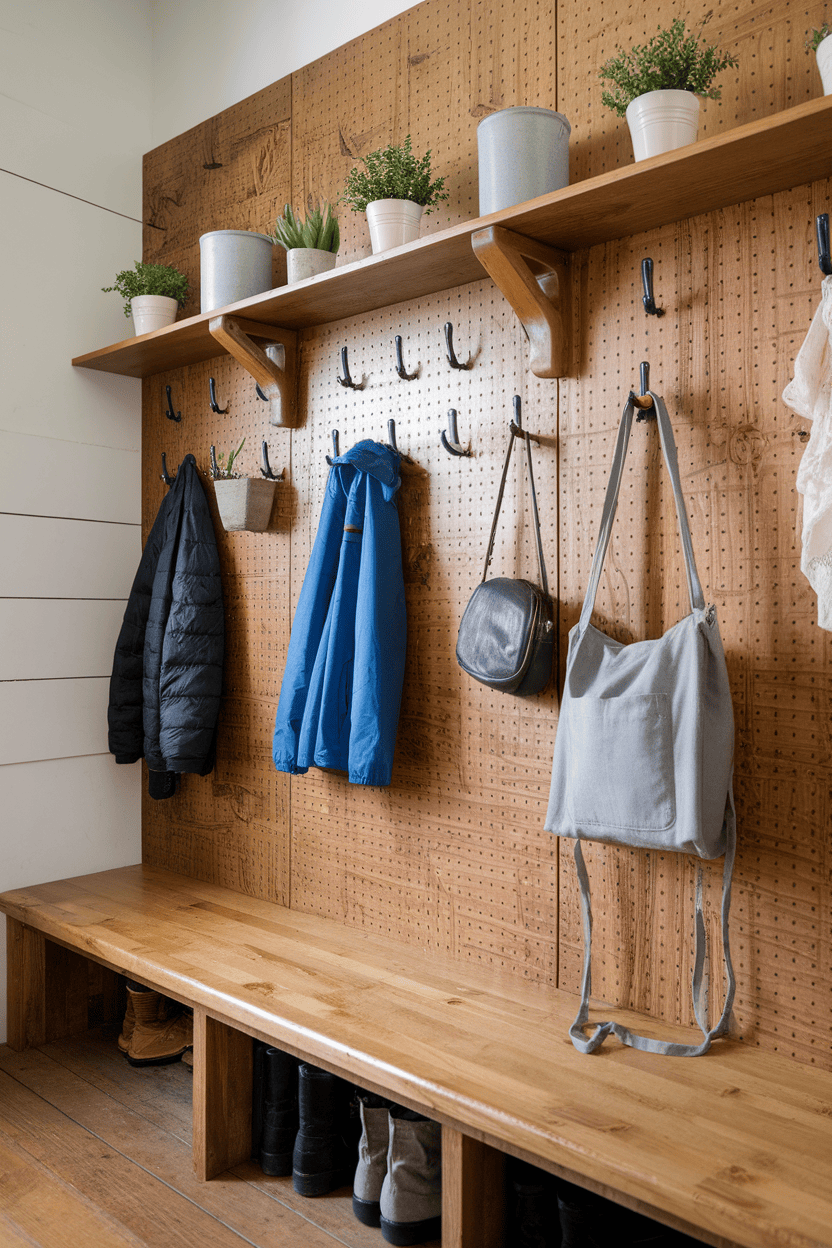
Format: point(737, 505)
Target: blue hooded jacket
point(341, 692)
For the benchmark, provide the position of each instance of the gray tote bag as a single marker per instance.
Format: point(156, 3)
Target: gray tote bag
point(644, 750)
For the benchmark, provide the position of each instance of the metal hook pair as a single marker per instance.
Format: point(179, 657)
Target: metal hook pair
point(449, 349)
point(450, 440)
point(346, 379)
point(170, 413)
point(215, 407)
point(647, 282)
point(166, 477)
point(265, 466)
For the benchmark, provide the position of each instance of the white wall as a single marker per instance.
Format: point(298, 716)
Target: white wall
point(209, 54)
point(75, 115)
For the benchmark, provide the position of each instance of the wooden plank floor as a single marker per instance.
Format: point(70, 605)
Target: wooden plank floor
point(96, 1152)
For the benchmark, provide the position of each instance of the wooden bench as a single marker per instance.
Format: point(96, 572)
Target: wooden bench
point(734, 1147)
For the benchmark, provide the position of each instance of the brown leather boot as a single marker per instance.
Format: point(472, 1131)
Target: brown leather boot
point(160, 1035)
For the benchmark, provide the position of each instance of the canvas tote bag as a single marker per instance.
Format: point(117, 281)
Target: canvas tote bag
point(644, 750)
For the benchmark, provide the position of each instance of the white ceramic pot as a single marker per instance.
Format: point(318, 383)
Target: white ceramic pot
point(522, 153)
point(233, 265)
point(392, 223)
point(245, 503)
point(152, 312)
point(660, 121)
point(823, 52)
point(304, 262)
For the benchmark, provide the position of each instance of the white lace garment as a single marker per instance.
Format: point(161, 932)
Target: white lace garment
point(810, 395)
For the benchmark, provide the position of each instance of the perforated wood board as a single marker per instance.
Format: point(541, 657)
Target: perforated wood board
point(453, 855)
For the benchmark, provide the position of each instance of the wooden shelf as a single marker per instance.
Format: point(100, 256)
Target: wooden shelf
point(766, 156)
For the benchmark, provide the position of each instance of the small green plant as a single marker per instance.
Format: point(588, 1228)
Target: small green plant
point(817, 36)
point(150, 279)
point(222, 470)
point(393, 172)
point(320, 229)
point(673, 60)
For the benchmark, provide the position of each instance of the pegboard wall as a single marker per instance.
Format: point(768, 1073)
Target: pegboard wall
point(452, 857)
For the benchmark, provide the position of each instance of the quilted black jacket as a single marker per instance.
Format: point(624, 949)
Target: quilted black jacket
point(167, 671)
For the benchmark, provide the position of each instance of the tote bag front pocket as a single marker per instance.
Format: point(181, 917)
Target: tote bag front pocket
point(621, 763)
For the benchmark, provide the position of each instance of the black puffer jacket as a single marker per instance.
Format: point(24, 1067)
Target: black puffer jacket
point(167, 671)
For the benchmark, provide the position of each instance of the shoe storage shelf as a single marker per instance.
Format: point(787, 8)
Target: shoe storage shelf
point(735, 1147)
point(760, 158)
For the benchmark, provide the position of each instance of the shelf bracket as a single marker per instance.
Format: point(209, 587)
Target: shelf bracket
point(278, 384)
point(535, 279)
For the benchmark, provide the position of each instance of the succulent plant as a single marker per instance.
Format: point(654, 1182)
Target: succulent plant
point(320, 229)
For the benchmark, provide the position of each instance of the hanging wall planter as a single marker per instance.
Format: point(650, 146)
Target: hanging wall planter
point(245, 503)
point(233, 265)
point(661, 121)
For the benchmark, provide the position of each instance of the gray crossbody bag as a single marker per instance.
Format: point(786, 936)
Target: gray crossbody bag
point(644, 751)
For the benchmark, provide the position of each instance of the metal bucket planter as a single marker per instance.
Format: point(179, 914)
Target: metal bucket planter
point(233, 265)
point(523, 152)
point(245, 503)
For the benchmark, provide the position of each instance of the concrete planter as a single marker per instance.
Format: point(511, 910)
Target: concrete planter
point(245, 503)
point(303, 262)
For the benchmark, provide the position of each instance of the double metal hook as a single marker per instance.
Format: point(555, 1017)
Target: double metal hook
point(643, 400)
point(449, 349)
point(166, 477)
point(647, 282)
point(822, 231)
point(215, 407)
point(400, 368)
point(450, 440)
point(170, 413)
point(330, 459)
point(346, 379)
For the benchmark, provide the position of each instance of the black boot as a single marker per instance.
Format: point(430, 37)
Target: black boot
point(533, 1212)
point(280, 1112)
point(321, 1160)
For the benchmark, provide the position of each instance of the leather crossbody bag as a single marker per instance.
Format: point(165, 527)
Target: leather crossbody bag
point(644, 751)
point(506, 635)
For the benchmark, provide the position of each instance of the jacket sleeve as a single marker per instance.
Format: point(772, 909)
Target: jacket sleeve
point(125, 710)
point(380, 643)
point(193, 640)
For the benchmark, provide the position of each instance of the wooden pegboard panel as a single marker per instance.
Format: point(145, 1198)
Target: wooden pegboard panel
point(774, 70)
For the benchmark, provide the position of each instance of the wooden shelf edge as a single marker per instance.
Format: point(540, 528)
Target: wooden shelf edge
point(763, 157)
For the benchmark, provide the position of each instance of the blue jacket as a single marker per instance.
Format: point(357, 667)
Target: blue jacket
point(341, 691)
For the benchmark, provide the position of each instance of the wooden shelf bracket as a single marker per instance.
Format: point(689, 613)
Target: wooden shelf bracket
point(278, 384)
point(535, 279)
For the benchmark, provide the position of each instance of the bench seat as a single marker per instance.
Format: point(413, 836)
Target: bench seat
point(734, 1147)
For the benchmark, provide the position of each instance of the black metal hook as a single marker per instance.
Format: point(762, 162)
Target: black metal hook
point(647, 282)
point(347, 380)
point(643, 400)
point(400, 368)
point(166, 477)
point(266, 467)
point(449, 348)
point(171, 415)
point(391, 435)
point(335, 451)
point(451, 443)
point(215, 407)
point(516, 425)
point(822, 231)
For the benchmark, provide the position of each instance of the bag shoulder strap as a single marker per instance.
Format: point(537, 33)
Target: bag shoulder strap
point(517, 432)
point(611, 503)
point(699, 992)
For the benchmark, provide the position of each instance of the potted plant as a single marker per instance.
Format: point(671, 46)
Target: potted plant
point(152, 294)
point(312, 247)
point(656, 87)
point(820, 42)
point(393, 188)
point(243, 502)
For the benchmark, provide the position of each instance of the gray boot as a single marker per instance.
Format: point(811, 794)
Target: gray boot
point(372, 1160)
point(411, 1195)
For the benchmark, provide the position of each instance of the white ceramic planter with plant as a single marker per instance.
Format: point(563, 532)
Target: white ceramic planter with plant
point(152, 294)
point(394, 188)
point(244, 503)
point(656, 87)
point(820, 42)
point(311, 248)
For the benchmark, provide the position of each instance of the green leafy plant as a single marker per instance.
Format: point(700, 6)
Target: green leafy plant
point(393, 172)
point(818, 36)
point(320, 229)
point(222, 470)
point(672, 60)
point(150, 279)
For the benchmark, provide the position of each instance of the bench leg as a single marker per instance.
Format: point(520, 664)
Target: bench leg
point(48, 988)
point(222, 1096)
point(473, 1196)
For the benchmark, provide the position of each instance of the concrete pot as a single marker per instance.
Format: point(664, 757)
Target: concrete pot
point(523, 152)
point(245, 503)
point(661, 121)
point(302, 262)
point(151, 312)
point(233, 265)
point(823, 53)
point(393, 222)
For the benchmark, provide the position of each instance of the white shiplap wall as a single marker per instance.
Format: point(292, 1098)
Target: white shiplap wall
point(74, 115)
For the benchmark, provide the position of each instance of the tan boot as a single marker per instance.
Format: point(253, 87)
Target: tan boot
point(128, 1024)
point(157, 1037)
